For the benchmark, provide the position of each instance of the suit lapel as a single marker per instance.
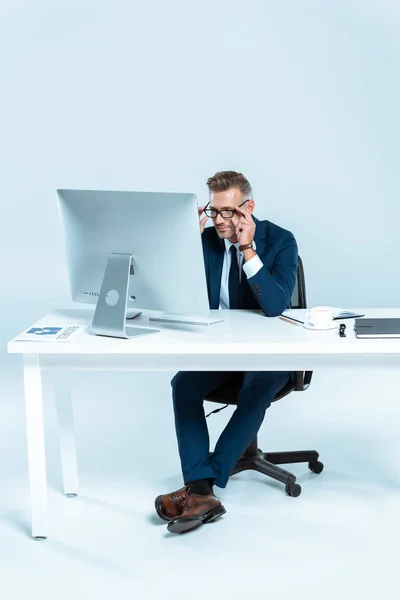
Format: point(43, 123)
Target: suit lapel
point(259, 237)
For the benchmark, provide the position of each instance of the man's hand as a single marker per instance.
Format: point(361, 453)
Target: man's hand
point(245, 226)
point(204, 220)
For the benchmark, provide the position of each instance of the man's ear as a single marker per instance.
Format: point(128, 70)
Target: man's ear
point(251, 205)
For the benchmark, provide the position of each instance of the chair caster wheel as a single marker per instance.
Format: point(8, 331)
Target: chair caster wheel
point(293, 489)
point(316, 467)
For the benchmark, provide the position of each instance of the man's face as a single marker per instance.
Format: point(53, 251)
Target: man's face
point(228, 200)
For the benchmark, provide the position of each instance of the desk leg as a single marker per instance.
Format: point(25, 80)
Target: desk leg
point(62, 393)
point(36, 444)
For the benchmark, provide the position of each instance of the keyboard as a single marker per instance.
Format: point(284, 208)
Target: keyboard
point(185, 320)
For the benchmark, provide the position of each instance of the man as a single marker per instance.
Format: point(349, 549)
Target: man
point(249, 264)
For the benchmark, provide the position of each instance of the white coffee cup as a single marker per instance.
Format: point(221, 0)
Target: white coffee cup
point(320, 316)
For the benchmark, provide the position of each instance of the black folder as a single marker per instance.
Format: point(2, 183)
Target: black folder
point(377, 328)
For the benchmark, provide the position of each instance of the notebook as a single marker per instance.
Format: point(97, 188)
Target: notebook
point(377, 328)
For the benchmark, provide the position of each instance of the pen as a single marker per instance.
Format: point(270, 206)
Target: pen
point(290, 320)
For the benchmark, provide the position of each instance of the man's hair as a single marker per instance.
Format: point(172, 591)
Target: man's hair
point(225, 180)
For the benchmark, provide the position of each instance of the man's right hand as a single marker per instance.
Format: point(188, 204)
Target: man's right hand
point(203, 221)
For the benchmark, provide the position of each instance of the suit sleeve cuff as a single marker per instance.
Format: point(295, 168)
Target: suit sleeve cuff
point(252, 266)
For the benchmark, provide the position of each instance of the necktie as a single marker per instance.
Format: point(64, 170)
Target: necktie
point(233, 282)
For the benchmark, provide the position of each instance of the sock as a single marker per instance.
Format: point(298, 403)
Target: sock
point(203, 487)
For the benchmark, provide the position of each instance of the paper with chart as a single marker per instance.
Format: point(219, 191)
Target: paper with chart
point(50, 333)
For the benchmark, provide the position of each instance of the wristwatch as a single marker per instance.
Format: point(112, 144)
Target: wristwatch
point(247, 247)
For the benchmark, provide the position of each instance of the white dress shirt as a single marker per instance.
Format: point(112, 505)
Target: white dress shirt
point(251, 267)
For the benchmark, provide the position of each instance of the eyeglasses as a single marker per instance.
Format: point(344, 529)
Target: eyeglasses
point(225, 213)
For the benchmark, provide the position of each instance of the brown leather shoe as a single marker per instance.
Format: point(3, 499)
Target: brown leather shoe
point(170, 505)
point(196, 510)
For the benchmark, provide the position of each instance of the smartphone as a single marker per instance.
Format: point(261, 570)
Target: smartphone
point(347, 315)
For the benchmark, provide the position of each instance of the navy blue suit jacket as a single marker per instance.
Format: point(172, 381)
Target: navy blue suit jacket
point(272, 287)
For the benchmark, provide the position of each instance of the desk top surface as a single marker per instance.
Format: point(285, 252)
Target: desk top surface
point(241, 332)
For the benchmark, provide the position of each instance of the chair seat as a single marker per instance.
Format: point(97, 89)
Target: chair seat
point(228, 394)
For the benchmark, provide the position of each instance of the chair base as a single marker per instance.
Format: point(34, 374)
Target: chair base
point(266, 462)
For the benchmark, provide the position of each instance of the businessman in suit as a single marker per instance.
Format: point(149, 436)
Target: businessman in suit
point(249, 264)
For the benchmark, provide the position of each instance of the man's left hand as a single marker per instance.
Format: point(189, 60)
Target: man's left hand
point(245, 226)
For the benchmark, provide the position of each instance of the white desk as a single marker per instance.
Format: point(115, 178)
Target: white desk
point(246, 340)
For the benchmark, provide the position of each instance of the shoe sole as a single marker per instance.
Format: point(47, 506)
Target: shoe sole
point(180, 526)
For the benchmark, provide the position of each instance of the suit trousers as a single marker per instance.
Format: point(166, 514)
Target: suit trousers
point(188, 391)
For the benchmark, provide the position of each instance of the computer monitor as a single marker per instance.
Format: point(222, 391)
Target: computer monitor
point(133, 250)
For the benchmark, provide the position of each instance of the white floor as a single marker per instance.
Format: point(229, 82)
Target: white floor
point(339, 539)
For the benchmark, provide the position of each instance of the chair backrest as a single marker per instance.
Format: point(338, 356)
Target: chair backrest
point(299, 299)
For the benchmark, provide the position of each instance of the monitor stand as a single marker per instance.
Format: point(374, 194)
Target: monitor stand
point(110, 314)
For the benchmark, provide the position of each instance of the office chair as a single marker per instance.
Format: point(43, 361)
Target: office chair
point(254, 458)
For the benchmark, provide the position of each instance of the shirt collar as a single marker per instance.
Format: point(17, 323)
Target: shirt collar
point(228, 245)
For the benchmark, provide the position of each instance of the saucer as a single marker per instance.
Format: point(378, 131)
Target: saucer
point(309, 325)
